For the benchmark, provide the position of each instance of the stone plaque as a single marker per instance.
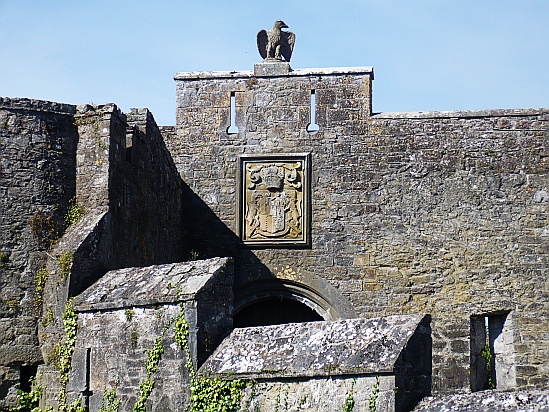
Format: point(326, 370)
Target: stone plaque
point(274, 200)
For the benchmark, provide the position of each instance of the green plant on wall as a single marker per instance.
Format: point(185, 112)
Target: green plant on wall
point(48, 318)
point(193, 255)
point(129, 314)
point(487, 355)
point(207, 394)
point(134, 336)
point(28, 401)
point(64, 352)
point(40, 279)
point(64, 261)
point(74, 212)
point(109, 401)
point(372, 399)
point(146, 386)
point(4, 258)
point(350, 400)
point(44, 228)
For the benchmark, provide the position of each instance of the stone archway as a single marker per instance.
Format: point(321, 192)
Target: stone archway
point(277, 301)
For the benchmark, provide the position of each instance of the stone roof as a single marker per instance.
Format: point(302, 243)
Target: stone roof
point(139, 286)
point(350, 346)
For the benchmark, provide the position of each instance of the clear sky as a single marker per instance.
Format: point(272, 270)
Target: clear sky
point(427, 54)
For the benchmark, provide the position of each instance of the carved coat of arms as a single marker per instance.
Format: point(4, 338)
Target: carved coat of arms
point(274, 196)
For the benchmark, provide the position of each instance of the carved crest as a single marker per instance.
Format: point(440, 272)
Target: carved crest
point(274, 200)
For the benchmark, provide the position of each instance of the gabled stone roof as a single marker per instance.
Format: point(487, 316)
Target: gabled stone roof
point(351, 346)
point(138, 286)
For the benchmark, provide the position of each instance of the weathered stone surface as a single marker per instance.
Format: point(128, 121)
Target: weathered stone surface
point(438, 212)
point(488, 401)
point(120, 173)
point(37, 160)
point(351, 346)
point(121, 316)
point(321, 394)
point(272, 68)
point(151, 285)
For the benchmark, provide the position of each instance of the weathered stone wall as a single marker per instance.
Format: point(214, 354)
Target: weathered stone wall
point(50, 154)
point(146, 197)
point(37, 167)
point(321, 394)
point(441, 213)
point(118, 343)
point(121, 317)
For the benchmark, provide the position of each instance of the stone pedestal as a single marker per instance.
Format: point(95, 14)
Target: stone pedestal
point(272, 68)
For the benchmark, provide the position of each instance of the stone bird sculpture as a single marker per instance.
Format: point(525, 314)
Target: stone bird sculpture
point(274, 44)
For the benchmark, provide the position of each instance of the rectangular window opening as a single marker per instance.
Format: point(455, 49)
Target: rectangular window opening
point(26, 375)
point(492, 352)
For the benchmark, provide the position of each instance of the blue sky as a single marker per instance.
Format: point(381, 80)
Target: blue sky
point(427, 54)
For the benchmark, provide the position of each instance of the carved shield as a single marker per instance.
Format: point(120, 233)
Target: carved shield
point(274, 200)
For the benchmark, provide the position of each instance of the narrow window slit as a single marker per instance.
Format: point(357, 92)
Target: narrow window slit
point(312, 126)
point(87, 393)
point(232, 128)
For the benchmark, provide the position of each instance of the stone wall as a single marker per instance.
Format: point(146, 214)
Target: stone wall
point(319, 366)
point(37, 168)
point(441, 213)
point(120, 318)
point(53, 156)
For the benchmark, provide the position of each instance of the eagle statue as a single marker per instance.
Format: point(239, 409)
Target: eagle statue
point(276, 44)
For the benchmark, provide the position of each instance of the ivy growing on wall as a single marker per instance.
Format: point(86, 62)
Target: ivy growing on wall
point(109, 401)
point(487, 355)
point(64, 261)
point(350, 400)
point(64, 351)
point(207, 394)
point(39, 283)
point(28, 401)
point(372, 399)
point(146, 386)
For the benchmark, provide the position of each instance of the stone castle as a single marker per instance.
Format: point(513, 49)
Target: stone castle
point(314, 254)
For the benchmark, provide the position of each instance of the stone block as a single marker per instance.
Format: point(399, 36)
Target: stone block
point(272, 68)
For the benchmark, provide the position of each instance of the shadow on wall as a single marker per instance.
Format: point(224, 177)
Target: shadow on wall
point(312, 297)
point(143, 224)
point(413, 369)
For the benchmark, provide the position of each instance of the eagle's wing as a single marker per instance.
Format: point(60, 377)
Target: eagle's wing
point(262, 40)
point(287, 45)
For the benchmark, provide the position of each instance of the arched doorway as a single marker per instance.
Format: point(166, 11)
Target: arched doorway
point(274, 311)
point(278, 301)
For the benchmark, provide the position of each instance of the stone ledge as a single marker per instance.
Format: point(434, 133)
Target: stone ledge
point(456, 114)
point(272, 68)
point(329, 71)
point(487, 401)
point(17, 103)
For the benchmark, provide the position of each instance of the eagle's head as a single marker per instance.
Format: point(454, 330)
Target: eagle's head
point(279, 24)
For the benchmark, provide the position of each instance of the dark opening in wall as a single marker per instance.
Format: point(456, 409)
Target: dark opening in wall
point(312, 126)
point(275, 312)
point(26, 373)
point(232, 128)
point(492, 352)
